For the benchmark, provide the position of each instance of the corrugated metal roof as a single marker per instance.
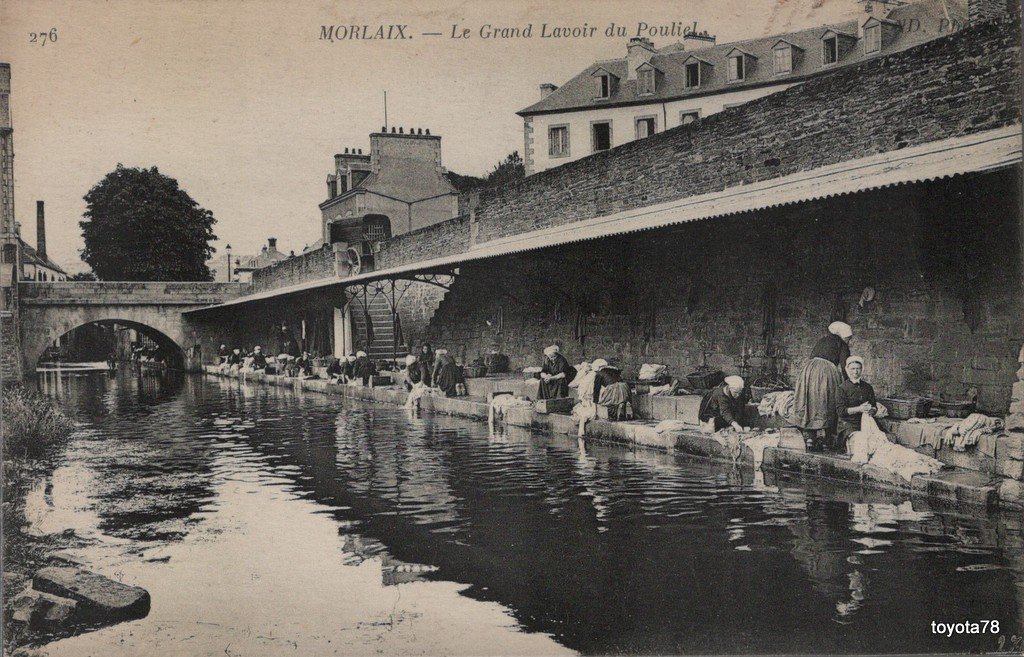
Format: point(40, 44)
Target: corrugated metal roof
point(980, 152)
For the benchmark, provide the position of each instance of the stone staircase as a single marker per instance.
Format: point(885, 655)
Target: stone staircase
point(383, 345)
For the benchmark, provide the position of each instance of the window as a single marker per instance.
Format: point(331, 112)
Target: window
point(602, 135)
point(558, 141)
point(645, 80)
point(646, 126)
point(688, 117)
point(603, 86)
point(830, 50)
point(735, 68)
point(693, 74)
point(783, 62)
point(872, 38)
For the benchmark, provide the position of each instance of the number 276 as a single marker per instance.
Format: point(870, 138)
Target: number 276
point(43, 37)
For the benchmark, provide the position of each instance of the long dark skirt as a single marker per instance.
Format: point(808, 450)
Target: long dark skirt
point(447, 379)
point(556, 389)
point(425, 372)
point(814, 403)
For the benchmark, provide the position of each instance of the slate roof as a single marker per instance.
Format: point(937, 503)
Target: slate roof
point(578, 93)
point(29, 256)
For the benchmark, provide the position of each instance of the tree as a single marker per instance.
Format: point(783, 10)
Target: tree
point(140, 226)
point(83, 276)
point(509, 169)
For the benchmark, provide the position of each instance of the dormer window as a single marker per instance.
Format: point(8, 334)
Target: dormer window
point(836, 45)
point(830, 50)
point(735, 68)
point(872, 38)
point(741, 65)
point(645, 81)
point(604, 84)
point(697, 72)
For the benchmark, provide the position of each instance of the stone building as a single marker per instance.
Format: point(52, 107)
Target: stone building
point(400, 186)
point(650, 90)
point(10, 369)
point(242, 266)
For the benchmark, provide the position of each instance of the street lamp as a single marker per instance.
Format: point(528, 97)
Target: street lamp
point(227, 249)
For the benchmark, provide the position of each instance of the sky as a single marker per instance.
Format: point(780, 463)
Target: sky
point(245, 105)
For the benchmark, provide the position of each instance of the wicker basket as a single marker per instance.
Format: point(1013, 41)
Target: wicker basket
point(904, 409)
point(953, 409)
point(703, 379)
point(757, 393)
point(474, 371)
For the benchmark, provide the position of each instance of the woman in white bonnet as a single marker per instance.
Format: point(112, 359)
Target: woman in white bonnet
point(814, 403)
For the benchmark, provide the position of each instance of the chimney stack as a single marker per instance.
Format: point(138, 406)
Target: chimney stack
point(639, 51)
point(40, 230)
point(546, 89)
point(698, 40)
point(272, 243)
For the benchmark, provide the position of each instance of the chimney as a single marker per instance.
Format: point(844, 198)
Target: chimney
point(272, 243)
point(546, 89)
point(638, 51)
point(698, 40)
point(40, 230)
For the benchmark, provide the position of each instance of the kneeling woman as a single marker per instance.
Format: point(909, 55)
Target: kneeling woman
point(854, 399)
point(446, 375)
point(610, 390)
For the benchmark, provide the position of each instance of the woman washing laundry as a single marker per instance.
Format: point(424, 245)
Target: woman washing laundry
point(854, 398)
point(723, 407)
point(425, 360)
point(445, 375)
point(555, 375)
point(610, 390)
point(585, 409)
point(413, 375)
point(814, 403)
point(363, 367)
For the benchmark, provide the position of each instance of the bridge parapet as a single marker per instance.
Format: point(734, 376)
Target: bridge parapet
point(90, 293)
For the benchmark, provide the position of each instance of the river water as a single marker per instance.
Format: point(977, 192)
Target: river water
point(270, 522)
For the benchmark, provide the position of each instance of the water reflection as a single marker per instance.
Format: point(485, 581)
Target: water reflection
point(193, 488)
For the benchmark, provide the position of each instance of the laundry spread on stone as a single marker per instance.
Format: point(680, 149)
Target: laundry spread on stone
point(501, 403)
point(872, 446)
point(969, 431)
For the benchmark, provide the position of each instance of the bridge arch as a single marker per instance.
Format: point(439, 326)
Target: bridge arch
point(171, 352)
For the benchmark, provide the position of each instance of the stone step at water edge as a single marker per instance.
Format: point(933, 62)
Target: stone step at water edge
point(94, 593)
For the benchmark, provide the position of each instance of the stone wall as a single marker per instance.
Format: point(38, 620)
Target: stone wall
point(446, 238)
point(311, 265)
point(944, 318)
point(965, 83)
point(10, 352)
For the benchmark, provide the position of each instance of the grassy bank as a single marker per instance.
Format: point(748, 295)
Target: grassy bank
point(32, 426)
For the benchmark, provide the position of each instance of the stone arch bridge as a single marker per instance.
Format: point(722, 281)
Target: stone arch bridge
point(46, 311)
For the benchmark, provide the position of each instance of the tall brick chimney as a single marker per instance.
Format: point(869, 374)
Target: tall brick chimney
point(40, 230)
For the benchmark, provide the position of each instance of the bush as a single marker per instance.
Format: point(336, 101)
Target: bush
point(31, 422)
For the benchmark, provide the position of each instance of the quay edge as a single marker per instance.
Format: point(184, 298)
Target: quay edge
point(956, 487)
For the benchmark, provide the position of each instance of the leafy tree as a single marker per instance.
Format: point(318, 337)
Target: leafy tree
point(83, 276)
point(140, 226)
point(509, 169)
